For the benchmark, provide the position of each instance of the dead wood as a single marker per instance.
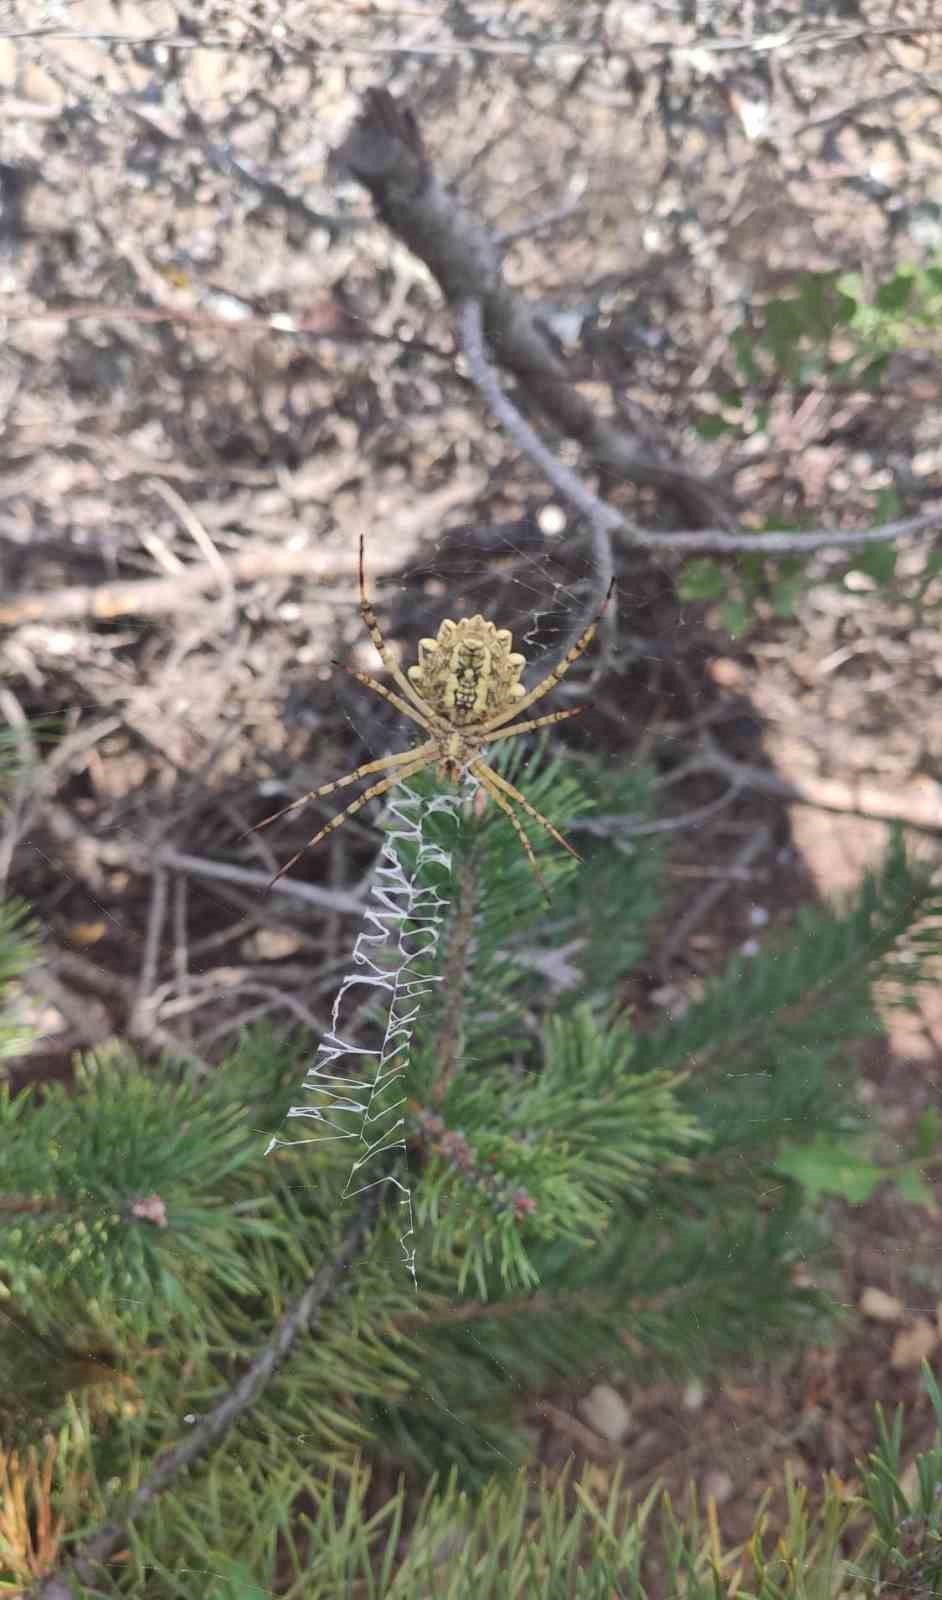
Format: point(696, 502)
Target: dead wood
point(384, 151)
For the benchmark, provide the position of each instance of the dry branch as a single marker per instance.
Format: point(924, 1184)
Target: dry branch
point(384, 151)
point(605, 520)
point(153, 597)
point(157, 596)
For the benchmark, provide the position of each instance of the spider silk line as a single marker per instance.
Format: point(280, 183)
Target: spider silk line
point(357, 1103)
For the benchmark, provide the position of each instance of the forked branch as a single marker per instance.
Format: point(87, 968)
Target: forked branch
point(384, 151)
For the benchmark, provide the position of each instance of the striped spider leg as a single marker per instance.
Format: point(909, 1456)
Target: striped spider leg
point(495, 784)
point(398, 768)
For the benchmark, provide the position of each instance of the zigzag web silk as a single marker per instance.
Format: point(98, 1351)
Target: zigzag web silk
point(402, 931)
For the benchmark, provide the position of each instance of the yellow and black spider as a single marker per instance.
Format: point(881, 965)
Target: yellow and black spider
point(463, 691)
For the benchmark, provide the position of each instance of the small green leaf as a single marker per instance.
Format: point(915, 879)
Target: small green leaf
point(710, 425)
point(831, 1166)
point(874, 370)
point(751, 566)
point(888, 506)
point(926, 1134)
point(783, 320)
point(742, 345)
point(913, 1187)
point(736, 617)
point(783, 330)
point(897, 292)
point(818, 297)
point(703, 580)
point(878, 561)
point(786, 596)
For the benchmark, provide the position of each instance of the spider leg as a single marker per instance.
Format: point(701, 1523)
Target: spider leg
point(537, 722)
point(559, 671)
point(356, 805)
point(387, 694)
point(421, 752)
point(389, 660)
point(484, 774)
point(479, 768)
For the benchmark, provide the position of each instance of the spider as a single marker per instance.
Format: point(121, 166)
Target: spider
point(463, 691)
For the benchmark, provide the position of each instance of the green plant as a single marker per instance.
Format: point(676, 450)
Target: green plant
point(846, 1167)
point(578, 1194)
point(832, 333)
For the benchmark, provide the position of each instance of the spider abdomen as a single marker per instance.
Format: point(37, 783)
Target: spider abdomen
point(469, 673)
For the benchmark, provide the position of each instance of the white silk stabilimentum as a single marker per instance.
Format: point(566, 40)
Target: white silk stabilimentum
point(362, 1099)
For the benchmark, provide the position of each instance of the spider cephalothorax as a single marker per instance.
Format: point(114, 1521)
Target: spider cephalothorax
point(462, 691)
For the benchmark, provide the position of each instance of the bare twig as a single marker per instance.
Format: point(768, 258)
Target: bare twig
point(625, 828)
point(38, 781)
point(139, 858)
point(784, 39)
point(153, 596)
point(141, 1015)
point(783, 544)
point(921, 810)
point(181, 965)
point(279, 322)
point(335, 899)
point(591, 1444)
point(603, 519)
point(153, 1035)
point(88, 1019)
point(549, 219)
point(198, 534)
point(158, 596)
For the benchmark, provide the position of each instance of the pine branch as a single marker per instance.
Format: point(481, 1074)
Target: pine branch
point(579, 1196)
point(85, 1564)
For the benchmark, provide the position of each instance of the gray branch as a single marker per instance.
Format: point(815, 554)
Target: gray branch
point(602, 519)
point(384, 152)
point(605, 520)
